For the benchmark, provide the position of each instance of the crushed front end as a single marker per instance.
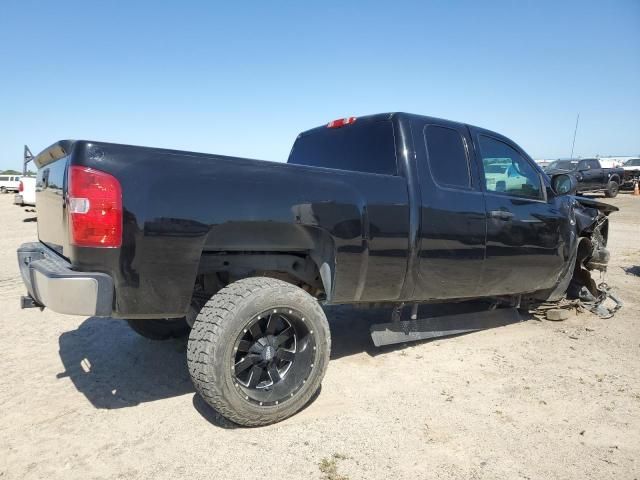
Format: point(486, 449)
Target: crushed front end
point(592, 224)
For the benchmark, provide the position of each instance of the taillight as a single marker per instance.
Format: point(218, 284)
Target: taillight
point(95, 208)
point(20, 187)
point(341, 122)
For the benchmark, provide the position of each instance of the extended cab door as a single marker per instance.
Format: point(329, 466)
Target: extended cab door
point(524, 241)
point(452, 212)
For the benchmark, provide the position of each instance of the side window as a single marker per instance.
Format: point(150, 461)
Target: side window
point(3, 179)
point(583, 165)
point(507, 172)
point(594, 164)
point(447, 156)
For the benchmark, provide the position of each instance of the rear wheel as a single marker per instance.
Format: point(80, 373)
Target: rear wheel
point(259, 350)
point(612, 189)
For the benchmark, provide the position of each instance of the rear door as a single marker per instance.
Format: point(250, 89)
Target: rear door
point(524, 243)
point(452, 212)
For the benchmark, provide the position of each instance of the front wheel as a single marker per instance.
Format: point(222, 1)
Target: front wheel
point(258, 350)
point(612, 189)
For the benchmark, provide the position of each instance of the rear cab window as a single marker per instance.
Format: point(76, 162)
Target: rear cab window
point(366, 146)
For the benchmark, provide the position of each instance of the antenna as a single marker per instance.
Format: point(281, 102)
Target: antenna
point(574, 135)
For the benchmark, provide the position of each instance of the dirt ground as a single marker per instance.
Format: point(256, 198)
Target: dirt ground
point(87, 398)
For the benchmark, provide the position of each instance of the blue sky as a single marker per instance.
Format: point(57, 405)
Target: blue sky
point(243, 78)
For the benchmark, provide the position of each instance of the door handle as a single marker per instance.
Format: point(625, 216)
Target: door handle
point(501, 214)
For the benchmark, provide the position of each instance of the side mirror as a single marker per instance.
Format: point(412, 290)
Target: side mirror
point(564, 184)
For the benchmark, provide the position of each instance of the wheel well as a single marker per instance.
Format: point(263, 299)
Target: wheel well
point(615, 178)
point(218, 269)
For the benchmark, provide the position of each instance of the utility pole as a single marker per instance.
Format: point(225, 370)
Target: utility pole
point(28, 156)
point(574, 135)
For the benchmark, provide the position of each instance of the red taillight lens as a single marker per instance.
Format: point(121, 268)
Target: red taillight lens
point(20, 187)
point(341, 122)
point(95, 208)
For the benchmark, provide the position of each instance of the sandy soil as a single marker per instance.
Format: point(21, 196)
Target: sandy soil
point(87, 398)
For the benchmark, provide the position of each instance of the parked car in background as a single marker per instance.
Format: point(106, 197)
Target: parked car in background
point(631, 172)
point(9, 183)
point(26, 192)
point(591, 176)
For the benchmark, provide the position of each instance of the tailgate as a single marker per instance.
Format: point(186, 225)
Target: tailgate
point(50, 195)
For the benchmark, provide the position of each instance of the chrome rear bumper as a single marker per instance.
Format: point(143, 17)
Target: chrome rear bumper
point(51, 283)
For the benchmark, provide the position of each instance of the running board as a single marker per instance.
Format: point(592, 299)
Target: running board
point(426, 328)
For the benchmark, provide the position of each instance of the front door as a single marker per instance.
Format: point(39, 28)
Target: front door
point(524, 244)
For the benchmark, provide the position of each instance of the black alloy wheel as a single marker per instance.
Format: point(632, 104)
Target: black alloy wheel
point(273, 356)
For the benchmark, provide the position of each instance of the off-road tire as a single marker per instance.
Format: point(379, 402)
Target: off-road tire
point(612, 189)
point(210, 353)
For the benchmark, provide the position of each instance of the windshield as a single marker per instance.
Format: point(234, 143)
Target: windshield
point(564, 164)
point(634, 162)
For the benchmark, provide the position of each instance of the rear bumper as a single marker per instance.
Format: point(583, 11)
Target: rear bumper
point(51, 283)
point(19, 199)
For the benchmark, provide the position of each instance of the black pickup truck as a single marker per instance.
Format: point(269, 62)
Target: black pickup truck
point(591, 176)
point(240, 254)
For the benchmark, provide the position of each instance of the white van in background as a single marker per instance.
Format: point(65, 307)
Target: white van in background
point(26, 192)
point(9, 183)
